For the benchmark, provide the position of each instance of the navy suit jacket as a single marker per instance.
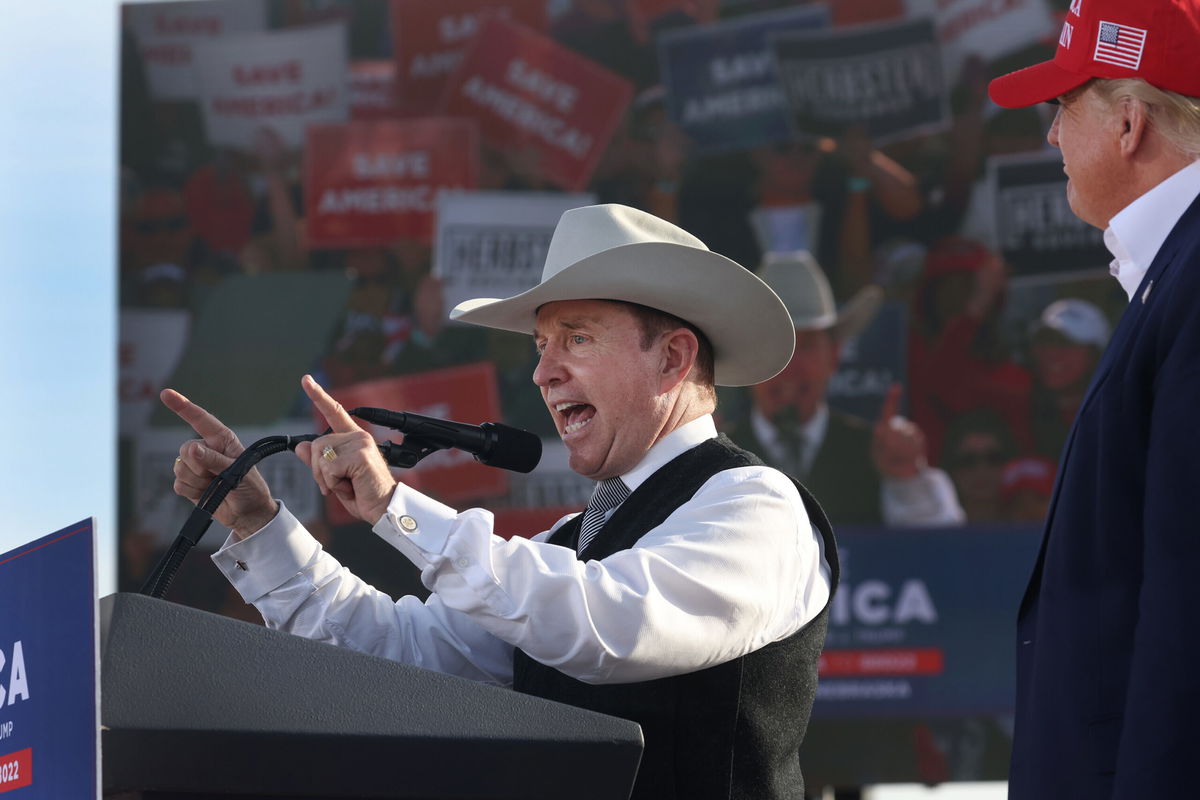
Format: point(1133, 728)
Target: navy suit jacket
point(1108, 635)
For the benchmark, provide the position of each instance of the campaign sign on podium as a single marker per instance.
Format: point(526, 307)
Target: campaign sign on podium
point(49, 709)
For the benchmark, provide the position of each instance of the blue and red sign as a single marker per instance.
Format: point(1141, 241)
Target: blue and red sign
point(49, 718)
point(919, 627)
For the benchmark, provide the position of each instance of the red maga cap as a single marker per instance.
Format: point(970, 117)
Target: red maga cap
point(1155, 40)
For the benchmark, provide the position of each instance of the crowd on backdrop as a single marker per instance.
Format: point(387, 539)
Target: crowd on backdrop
point(967, 303)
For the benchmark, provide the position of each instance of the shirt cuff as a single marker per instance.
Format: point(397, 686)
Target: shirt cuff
point(269, 557)
point(416, 525)
point(926, 499)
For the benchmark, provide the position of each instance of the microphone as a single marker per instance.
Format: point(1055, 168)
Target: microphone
point(492, 443)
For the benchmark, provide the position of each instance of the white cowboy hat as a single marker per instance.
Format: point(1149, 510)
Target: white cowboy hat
point(613, 252)
point(800, 282)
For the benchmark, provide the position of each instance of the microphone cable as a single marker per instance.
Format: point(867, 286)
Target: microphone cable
point(501, 446)
point(201, 517)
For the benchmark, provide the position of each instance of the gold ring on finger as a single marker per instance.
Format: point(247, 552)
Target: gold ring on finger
point(329, 454)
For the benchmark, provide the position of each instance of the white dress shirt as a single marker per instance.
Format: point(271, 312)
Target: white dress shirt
point(735, 568)
point(1135, 235)
point(927, 499)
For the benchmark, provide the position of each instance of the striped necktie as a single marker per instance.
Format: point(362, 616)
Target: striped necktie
point(609, 493)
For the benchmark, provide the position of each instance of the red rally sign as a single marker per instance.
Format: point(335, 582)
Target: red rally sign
point(526, 90)
point(373, 90)
point(429, 39)
point(463, 394)
point(371, 183)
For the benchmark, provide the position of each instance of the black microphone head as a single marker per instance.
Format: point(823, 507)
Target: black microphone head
point(512, 448)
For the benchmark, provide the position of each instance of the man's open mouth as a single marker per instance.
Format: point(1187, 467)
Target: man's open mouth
point(574, 415)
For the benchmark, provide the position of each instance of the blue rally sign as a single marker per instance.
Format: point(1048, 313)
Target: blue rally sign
point(1035, 227)
point(871, 363)
point(49, 710)
point(886, 77)
point(923, 623)
point(721, 82)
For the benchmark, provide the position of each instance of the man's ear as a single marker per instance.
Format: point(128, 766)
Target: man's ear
point(1134, 123)
point(680, 348)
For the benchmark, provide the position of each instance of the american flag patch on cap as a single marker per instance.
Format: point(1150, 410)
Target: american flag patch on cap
point(1120, 45)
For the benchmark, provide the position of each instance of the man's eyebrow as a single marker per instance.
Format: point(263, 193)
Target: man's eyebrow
point(572, 323)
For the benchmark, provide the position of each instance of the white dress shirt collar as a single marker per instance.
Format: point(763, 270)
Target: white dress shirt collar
point(1135, 235)
point(813, 432)
point(675, 443)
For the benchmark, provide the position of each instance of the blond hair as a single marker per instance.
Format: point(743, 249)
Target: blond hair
point(1176, 117)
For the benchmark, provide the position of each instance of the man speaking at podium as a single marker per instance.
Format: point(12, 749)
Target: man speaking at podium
point(691, 596)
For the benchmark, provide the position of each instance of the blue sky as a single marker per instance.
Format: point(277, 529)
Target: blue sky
point(58, 67)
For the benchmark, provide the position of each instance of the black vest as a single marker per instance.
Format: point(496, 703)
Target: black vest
point(732, 731)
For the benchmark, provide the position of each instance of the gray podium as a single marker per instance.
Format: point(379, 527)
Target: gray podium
point(195, 705)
